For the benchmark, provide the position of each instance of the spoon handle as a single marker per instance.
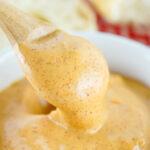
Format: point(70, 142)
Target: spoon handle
point(20, 26)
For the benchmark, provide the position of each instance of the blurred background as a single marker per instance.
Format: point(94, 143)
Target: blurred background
point(129, 18)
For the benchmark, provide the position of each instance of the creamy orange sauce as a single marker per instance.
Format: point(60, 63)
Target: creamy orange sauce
point(76, 105)
point(28, 122)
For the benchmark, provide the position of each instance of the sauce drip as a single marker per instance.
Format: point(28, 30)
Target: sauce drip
point(71, 74)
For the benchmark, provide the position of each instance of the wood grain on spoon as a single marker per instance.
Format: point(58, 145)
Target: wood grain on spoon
point(20, 25)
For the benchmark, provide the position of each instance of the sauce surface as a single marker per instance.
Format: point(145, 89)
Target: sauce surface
point(30, 123)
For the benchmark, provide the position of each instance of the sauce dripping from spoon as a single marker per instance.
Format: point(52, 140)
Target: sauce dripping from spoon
point(68, 71)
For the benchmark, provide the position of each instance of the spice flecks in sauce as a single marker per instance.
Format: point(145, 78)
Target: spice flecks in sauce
point(126, 128)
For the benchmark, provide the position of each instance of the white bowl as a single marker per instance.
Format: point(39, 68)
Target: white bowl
point(124, 56)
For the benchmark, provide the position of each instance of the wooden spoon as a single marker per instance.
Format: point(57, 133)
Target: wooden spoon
point(68, 71)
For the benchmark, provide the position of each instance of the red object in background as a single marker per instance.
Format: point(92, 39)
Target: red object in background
point(139, 33)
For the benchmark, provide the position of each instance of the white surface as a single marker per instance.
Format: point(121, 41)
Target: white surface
point(124, 56)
